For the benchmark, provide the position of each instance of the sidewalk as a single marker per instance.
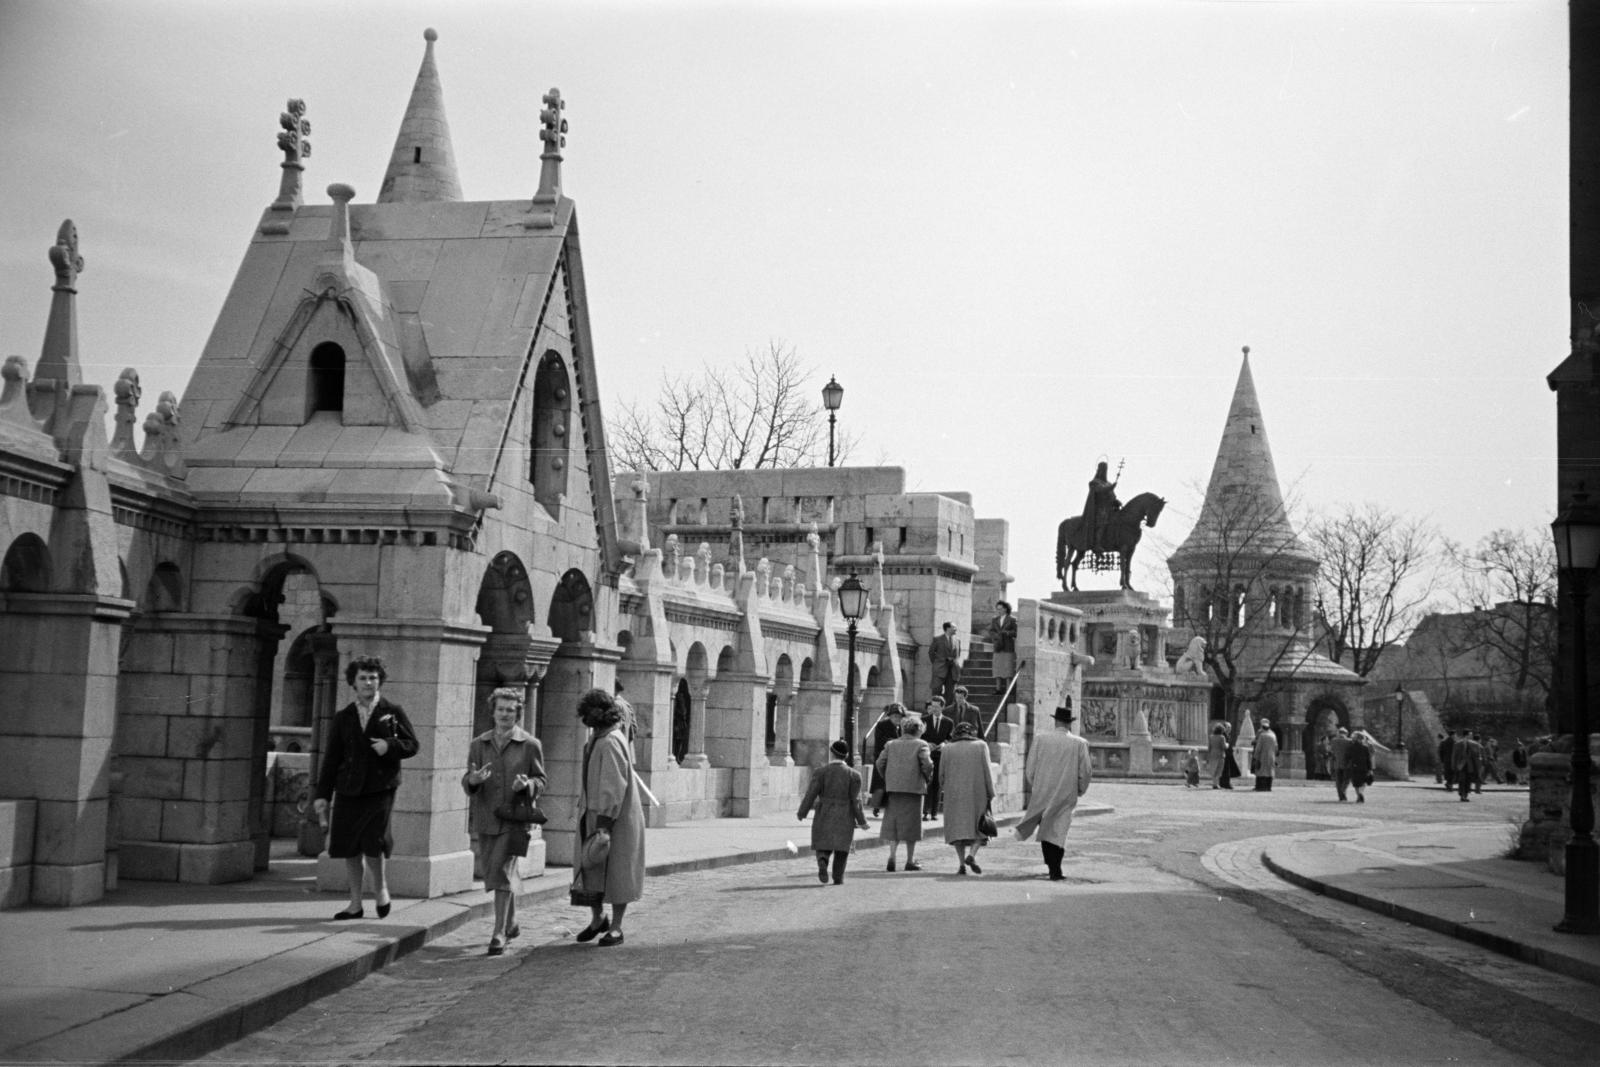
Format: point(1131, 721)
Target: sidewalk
point(163, 971)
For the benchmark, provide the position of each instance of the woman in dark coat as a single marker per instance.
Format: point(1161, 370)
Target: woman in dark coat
point(502, 763)
point(1003, 632)
point(367, 739)
point(835, 791)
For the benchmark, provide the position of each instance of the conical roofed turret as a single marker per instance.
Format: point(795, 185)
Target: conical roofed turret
point(1243, 508)
point(422, 166)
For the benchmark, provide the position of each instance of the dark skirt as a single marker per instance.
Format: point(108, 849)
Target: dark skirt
point(498, 855)
point(360, 825)
point(902, 817)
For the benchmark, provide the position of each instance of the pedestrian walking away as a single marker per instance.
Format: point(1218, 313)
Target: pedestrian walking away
point(835, 792)
point(1217, 754)
point(610, 855)
point(1339, 755)
point(1467, 762)
point(367, 739)
point(968, 783)
point(1264, 757)
point(1058, 774)
point(1358, 764)
point(505, 775)
point(906, 765)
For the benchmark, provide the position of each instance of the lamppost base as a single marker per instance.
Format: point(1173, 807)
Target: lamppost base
point(1582, 888)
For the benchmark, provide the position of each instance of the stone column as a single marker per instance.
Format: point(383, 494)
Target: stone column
point(740, 701)
point(431, 666)
point(699, 708)
point(58, 669)
point(324, 702)
point(784, 714)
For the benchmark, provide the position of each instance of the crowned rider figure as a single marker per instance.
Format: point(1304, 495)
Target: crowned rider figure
point(1101, 504)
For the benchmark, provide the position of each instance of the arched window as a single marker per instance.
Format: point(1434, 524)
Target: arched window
point(552, 423)
point(325, 388)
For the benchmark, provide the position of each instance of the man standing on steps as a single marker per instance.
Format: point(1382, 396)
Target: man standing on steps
point(964, 712)
point(945, 654)
point(1058, 774)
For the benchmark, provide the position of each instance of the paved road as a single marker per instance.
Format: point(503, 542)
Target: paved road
point(1168, 943)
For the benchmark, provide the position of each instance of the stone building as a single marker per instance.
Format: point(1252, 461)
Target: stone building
point(392, 444)
point(1244, 582)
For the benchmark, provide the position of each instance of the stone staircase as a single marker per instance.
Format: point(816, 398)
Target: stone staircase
point(977, 674)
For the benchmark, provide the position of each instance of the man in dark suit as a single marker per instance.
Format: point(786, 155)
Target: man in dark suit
point(964, 712)
point(940, 728)
point(945, 654)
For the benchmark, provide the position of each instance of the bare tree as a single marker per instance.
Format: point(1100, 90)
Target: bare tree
point(1377, 573)
point(1245, 576)
point(1508, 589)
point(760, 412)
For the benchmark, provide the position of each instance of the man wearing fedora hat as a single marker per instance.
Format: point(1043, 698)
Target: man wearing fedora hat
point(835, 791)
point(1058, 774)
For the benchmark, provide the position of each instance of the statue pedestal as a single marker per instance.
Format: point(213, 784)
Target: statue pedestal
point(1137, 714)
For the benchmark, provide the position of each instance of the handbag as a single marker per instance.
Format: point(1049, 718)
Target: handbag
point(986, 824)
point(521, 809)
point(589, 871)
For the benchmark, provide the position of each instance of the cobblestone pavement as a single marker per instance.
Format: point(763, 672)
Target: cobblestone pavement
point(1168, 943)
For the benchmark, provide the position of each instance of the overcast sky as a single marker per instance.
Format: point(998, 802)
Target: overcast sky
point(1022, 235)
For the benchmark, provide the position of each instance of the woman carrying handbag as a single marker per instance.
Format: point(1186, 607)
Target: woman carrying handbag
point(505, 774)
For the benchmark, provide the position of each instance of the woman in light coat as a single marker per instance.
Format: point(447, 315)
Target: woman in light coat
point(967, 781)
point(906, 764)
point(1265, 757)
point(611, 812)
point(835, 791)
point(501, 762)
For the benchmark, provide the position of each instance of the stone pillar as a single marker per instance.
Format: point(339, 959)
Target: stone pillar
point(58, 670)
point(324, 702)
point(191, 742)
point(699, 708)
point(784, 729)
point(431, 667)
point(739, 700)
point(814, 723)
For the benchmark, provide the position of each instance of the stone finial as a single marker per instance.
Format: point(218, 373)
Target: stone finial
point(877, 563)
point(163, 446)
point(14, 395)
point(553, 132)
point(702, 557)
point(763, 576)
point(65, 258)
point(342, 194)
point(294, 128)
point(790, 586)
point(639, 522)
point(127, 393)
point(674, 553)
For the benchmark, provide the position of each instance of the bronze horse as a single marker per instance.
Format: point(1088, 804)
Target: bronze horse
point(1121, 536)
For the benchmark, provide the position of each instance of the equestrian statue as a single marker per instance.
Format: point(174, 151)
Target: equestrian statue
point(1107, 532)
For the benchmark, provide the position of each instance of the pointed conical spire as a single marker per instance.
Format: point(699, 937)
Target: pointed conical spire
point(1244, 503)
point(423, 164)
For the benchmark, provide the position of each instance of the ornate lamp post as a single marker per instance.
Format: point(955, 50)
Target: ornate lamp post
point(852, 605)
point(1577, 533)
point(832, 397)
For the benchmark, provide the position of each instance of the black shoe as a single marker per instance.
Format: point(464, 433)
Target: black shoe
point(592, 931)
point(913, 866)
point(383, 909)
point(974, 865)
point(1057, 876)
point(497, 946)
point(513, 932)
point(838, 881)
point(822, 871)
point(340, 916)
point(890, 868)
point(613, 938)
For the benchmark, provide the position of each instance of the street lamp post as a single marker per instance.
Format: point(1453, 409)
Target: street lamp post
point(1577, 534)
point(852, 605)
point(832, 397)
point(1400, 713)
